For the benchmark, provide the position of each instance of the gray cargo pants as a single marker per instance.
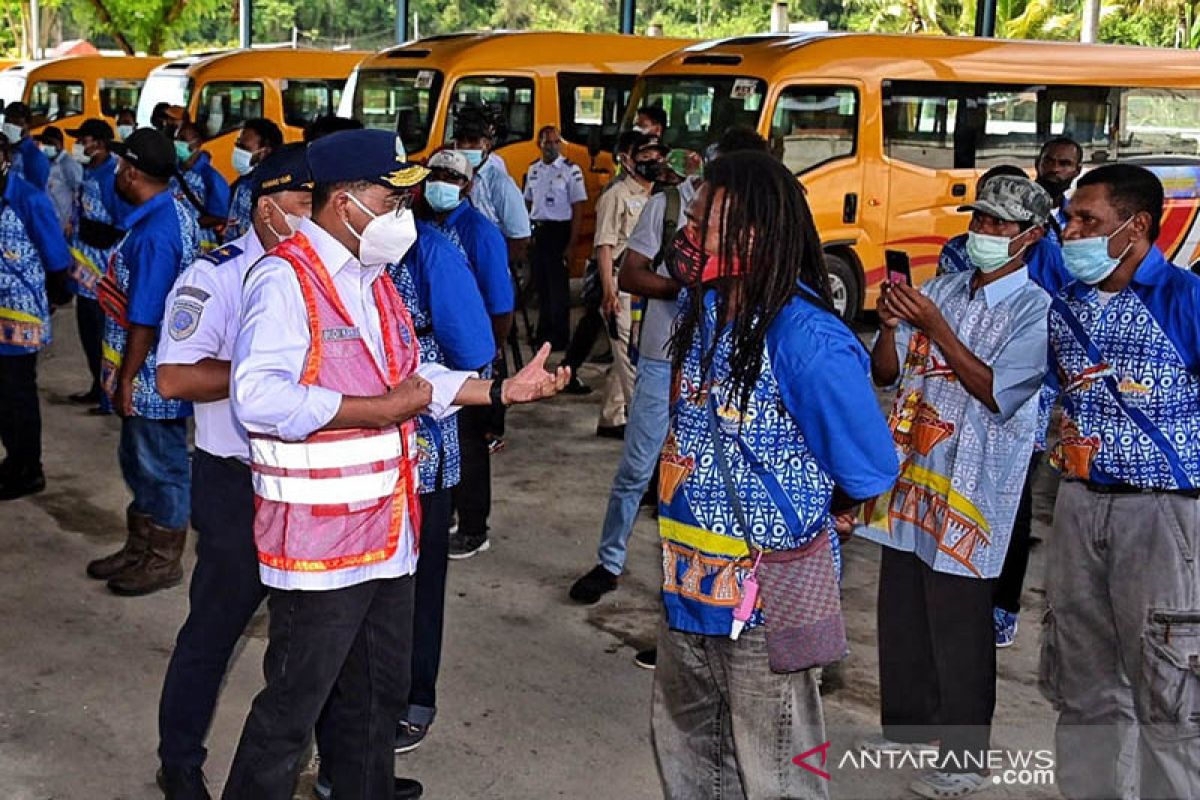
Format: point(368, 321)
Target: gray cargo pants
point(1121, 646)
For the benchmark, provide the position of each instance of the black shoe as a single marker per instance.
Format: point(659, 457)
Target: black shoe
point(89, 398)
point(182, 783)
point(465, 545)
point(409, 736)
point(576, 387)
point(407, 789)
point(832, 680)
point(19, 482)
point(647, 659)
point(610, 431)
point(593, 586)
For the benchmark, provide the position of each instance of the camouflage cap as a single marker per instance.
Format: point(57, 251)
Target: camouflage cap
point(1012, 199)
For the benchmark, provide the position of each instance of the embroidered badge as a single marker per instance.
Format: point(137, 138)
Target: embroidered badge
point(185, 318)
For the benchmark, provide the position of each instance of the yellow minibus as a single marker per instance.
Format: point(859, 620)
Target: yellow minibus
point(290, 87)
point(888, 132)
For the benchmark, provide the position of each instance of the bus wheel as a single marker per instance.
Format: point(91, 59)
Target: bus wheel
point(843, 285)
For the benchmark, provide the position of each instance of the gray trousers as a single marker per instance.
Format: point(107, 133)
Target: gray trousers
point(725, 727)
point(1121, 646)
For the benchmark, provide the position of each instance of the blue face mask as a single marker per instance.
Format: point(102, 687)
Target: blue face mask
point(1088, 259)
point(474, 157)
point(442, 196)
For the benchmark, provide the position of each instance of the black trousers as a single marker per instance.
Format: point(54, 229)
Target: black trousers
point(1016, 560)
point(937, 659)
point(20, 414)
point(224, 594)
point(587, 331)
point(349, 646)
point(548, 260)
point(473, 495)
point(429, 605)
point(89, 317)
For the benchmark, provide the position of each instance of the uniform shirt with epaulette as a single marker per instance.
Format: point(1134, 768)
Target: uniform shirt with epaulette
point(552, 189)
point(204, 310)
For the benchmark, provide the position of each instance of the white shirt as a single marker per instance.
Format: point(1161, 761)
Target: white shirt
point(204, 312)
point(268, 360)
point(495, 194)
point(553, 189)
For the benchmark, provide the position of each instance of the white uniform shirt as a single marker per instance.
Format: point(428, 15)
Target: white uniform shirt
point(268, 360)
point(553, 188)
point(203, 313)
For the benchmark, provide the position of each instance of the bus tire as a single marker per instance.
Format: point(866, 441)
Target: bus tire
point(844, 285)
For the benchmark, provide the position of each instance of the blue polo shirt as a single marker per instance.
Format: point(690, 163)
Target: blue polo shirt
point(105, 177)
point(487, 255)
point(1130, 378)
point(29, 160)
point(446, 287)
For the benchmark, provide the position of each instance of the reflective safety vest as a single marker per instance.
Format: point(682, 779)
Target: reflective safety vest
point(338, 498)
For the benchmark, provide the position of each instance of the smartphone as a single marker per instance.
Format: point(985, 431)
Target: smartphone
point(898, 268)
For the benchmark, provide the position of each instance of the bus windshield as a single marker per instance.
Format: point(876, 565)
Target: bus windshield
point(700, 108)
point(174, 88)
point(401, 100)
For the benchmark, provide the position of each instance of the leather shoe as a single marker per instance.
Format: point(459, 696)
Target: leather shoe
point(182, 783)
point(21, 481)
point(407, 789)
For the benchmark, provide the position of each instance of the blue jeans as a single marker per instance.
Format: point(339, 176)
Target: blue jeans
point(645, 432)
point(153, 455)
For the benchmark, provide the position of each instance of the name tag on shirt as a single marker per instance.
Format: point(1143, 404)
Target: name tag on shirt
point(340, 334)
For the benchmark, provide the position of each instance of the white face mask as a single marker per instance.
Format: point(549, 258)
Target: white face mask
point(241, 160)
point(291, 220)
point(386, 238)
point(124, 131)
point(12, 132)
point(50, 150)
point(80, 154)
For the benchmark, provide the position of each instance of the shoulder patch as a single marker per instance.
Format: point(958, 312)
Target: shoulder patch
point(221, 254)
point(184, 318)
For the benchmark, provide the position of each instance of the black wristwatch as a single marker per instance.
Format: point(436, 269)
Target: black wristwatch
point(496, 393)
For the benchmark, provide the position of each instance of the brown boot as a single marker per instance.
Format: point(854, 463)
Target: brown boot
point(130, 553)
point(159, 567)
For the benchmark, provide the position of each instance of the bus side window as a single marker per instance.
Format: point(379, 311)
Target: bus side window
point(814, 124)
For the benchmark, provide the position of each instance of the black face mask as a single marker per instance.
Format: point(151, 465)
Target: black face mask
point(1055, 187)
point(647, 170)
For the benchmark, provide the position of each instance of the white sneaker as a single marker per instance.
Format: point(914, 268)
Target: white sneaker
point(879, 743)
point(939, 784)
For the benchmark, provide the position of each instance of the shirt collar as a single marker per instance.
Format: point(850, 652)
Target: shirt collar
point(251, 245)
point(201, 161)
point(1151, 272)
point(149, 207)
point(1000, 289)
point(457, 212)
point(333, 254)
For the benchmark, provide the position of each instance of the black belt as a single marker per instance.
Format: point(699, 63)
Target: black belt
point(539, 222)
point(1125, 488)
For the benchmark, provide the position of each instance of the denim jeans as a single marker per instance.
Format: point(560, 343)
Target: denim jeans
point(645, 433)
point(725, 727)
point(153, 455)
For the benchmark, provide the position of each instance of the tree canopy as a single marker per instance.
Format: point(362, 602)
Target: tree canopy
point(157, 25)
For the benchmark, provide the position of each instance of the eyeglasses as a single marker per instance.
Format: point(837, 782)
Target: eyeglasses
point(396, 203)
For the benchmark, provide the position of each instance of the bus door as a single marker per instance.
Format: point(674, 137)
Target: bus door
point(815, 133)
point(930, 135)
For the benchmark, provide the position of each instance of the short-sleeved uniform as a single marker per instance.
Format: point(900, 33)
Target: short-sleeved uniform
point(162, 240)
point(617, 213)
point(553, 189)
point(497, 197)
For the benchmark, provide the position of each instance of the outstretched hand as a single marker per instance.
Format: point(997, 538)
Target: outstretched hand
point(534, 382)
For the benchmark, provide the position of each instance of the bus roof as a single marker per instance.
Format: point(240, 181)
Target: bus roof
point(283, 62)
point(76, 66)
point(543, 52)
point(908, 57)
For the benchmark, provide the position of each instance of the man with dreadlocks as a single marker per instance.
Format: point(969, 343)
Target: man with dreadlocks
point(771, 396)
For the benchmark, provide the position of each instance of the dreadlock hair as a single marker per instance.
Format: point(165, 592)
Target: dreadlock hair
point(766, 227)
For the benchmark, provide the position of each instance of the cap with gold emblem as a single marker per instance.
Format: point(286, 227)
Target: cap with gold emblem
point(373, 156)
point(285, 170)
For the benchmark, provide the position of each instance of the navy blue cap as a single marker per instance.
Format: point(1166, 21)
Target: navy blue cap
point(285, 170)
point(364, 155)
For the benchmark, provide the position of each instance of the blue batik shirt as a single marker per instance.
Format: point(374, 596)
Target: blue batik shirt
point(240, 208)
point(211, 190)
point(31, 244)
point(963, 466)
point(98, 201)
point(162, 240)
point(1143, 347)
point(452, 328)
point(812, 421)
point(1045, 264)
